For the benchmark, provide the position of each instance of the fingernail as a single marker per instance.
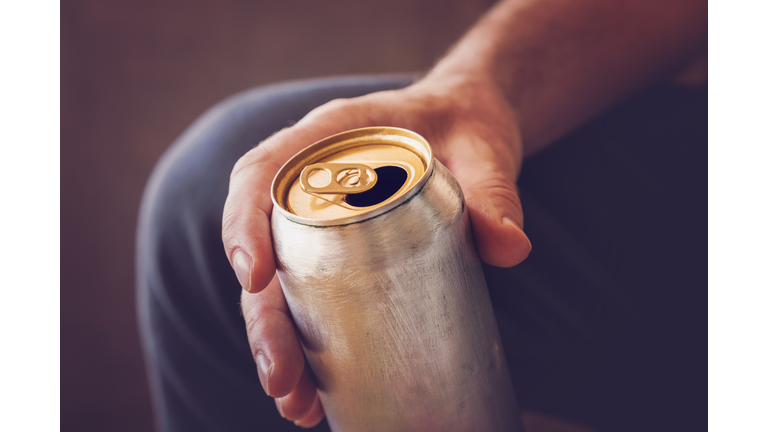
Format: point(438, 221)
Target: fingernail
point(279, 403)
point(507, 221)
point(242, 263)
point(265, 368)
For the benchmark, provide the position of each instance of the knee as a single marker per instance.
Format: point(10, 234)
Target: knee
point(186, 192)
point(190, 181)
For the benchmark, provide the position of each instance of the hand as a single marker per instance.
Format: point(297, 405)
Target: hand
point(473, 132)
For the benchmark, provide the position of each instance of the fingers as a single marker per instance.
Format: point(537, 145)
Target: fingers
point(500, 239)
point(487, 174)
point(246, 231)
point(277, 351)
point(274, 343)
point(246, 221)
point(246, 228)
point(297, 404)
point(314, 416)
point(246, 234)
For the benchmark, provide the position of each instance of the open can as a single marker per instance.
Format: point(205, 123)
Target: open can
point(379, 268)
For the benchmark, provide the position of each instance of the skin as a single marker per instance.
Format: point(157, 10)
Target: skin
point(526, 74)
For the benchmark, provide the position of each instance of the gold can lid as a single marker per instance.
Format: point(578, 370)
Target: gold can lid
point(352, 176)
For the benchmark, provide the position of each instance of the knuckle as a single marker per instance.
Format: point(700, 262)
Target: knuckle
point(243, 228)
point(254, 328)
point(259, 157)
point(328, 108)
point(264, 324)
point(229, 223)
point(336, 103)
point(499, 188)
point(496, 184)
point(252, 324)
point(437, 108)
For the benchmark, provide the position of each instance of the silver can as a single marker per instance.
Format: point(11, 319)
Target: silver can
point(376, 258)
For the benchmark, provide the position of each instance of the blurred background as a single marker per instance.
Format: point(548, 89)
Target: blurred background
point(133, 76)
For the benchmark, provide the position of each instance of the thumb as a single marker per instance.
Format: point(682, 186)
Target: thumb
point(497, 221)
point(488, 180)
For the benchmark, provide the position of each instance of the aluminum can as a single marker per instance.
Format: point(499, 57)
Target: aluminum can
point(378, 265)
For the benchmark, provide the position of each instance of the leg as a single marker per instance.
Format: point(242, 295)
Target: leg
point(202, 374)
point(605, 322)
point(600, 323)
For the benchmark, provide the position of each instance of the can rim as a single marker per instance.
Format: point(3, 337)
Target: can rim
point(363, 216)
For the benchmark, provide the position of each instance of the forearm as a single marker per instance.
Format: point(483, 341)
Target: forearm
point(561, 62)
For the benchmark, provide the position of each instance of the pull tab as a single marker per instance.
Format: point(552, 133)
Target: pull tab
point(337, 178)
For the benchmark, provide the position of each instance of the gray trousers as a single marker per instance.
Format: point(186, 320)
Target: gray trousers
point(604, 324)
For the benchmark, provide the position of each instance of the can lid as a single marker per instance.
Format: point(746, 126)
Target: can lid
point(352, 176)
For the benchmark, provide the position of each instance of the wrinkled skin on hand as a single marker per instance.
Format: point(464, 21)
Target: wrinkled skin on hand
point(473, 132)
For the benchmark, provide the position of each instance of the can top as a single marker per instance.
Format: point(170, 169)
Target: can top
point(352, 176)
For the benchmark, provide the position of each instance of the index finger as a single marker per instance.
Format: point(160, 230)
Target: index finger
point(246, 229)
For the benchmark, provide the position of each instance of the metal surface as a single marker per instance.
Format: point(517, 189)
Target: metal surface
point(373, 147)
point(339, 178)
point(395, 317)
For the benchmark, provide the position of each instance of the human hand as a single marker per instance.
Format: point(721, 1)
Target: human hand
point(472, 131)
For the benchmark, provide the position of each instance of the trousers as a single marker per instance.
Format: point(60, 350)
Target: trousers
point(604, 324)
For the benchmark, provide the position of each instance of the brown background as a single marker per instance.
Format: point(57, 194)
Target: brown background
point(133, 76)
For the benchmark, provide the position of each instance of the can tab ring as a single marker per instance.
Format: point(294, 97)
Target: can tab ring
point(337, 178)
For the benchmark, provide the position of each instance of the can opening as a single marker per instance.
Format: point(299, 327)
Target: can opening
point(390, 179)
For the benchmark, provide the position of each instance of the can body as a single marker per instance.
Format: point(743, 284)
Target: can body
point(395, 318)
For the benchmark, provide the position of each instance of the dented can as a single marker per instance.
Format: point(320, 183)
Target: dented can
point(378, 265)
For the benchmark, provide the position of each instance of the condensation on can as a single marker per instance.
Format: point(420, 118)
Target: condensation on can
point(387, 292)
